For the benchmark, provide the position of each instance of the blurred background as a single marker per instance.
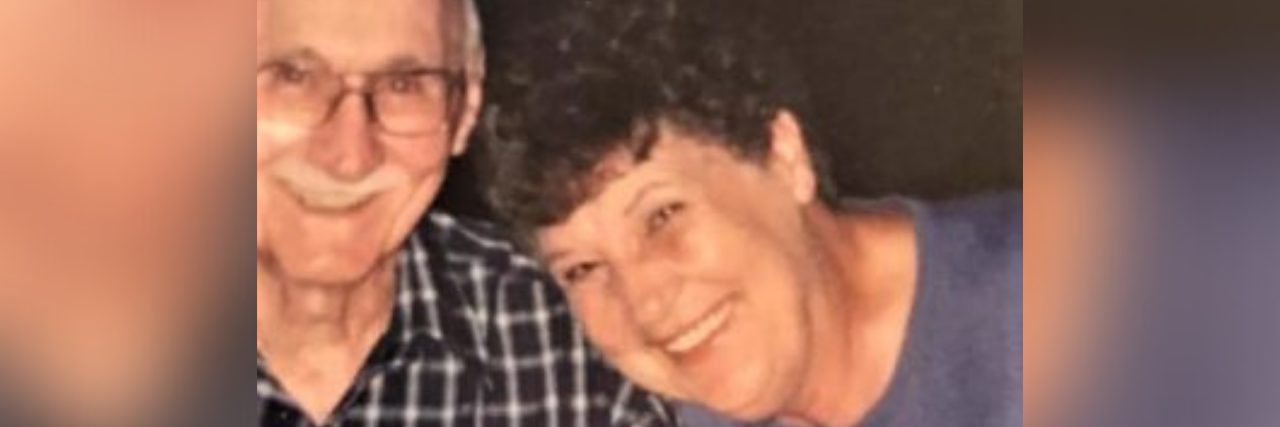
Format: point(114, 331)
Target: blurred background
point(919, 97)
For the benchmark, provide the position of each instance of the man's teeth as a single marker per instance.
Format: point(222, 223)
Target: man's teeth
point(701, 331)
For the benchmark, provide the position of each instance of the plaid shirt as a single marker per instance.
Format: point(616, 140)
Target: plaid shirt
point(480, 337)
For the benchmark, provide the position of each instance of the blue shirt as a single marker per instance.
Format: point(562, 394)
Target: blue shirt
point(962, 364)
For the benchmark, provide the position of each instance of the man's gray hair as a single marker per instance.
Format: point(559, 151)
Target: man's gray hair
point(474, 37)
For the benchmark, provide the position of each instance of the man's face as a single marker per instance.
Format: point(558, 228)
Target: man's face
point(689, 271)
point(336, 196)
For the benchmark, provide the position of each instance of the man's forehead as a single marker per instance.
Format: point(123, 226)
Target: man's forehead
point(357, 35)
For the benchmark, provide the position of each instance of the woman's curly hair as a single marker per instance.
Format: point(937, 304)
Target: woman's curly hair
point(601, 79)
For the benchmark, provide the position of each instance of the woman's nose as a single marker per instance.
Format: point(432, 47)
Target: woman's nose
point(650, 291)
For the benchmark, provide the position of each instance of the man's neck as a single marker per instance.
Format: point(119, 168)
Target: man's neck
point(294, 315)
point(859, 317)
point(317, 336)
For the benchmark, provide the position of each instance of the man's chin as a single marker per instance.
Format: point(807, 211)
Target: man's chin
point(333, 277)
point(335, 269)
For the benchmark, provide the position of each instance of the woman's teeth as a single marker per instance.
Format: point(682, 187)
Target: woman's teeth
point(701, 331)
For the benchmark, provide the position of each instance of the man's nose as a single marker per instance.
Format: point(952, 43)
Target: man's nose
point(349, 147)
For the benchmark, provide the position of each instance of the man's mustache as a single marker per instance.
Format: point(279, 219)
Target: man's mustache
point(321, 189)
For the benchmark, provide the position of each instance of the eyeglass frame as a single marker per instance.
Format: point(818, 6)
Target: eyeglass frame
point(455, 80)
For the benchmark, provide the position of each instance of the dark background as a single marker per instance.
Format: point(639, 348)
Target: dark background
point(918, 97)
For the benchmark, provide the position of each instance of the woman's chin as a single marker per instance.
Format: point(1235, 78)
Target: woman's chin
point(743, 407)
point(742, 393)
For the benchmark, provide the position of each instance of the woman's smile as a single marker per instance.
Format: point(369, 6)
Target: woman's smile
point(701, 330)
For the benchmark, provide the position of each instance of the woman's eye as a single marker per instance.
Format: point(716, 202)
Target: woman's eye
point(578, 273)
point(662, 217)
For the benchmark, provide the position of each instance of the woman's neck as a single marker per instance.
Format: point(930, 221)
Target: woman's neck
point(859, 314)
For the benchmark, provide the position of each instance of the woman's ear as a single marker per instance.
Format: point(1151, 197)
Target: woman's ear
point(789, 157)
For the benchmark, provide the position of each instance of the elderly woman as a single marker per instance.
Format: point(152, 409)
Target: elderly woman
point(663, 171)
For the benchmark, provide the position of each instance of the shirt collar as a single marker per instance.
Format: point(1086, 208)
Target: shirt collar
point(433, 307)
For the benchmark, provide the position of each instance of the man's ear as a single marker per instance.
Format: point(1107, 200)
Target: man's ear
point(789, 157)
point(471, 106)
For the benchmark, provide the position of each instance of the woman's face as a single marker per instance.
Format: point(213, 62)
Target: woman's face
point(689, 271)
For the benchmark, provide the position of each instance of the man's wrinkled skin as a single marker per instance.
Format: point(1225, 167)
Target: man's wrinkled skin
point(326, 276)
point(119, 124)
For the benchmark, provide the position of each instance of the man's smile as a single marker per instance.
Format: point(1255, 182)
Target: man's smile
point(332, 201)
point(316, 190)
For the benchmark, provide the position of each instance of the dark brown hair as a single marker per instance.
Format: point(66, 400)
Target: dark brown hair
point(601, 80)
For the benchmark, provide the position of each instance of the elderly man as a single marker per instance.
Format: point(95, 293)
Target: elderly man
point(361, 320)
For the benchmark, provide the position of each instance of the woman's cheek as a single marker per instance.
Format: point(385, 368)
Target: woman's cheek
point(606, 319)
point(609, 327)
point(705, 250)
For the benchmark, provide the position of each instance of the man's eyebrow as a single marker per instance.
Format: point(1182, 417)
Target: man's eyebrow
point(406, 63)
point(294, 54)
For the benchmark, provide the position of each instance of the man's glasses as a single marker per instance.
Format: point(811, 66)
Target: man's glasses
point(412, 102)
